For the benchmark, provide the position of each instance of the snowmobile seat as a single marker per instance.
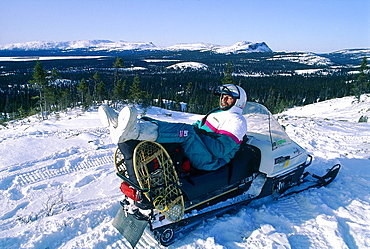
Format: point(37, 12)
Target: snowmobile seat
point(245, 162)
point(199, 182)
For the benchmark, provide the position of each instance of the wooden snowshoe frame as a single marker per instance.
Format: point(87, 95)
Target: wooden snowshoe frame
point(155, 171)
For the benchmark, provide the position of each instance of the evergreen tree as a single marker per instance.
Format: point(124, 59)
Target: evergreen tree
point(51, 92)
point(96, 80)
point(160, 101)
point(40, 83)
point(118, 83)
point(361, 85)
point(89, 101)
point(54, 75)
point(136, 94)
point(228, 79)
point(101, 91)
point(83, 90)
point(117, 65)
point(119, 90)
point(50, 98)
point(188, 91)
point(65, 99)
point(21, 112)
point(146, 100)
point(177, 105)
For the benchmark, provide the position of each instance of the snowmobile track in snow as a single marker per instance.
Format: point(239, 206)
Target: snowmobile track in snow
point(59, 163)
point(62, 133)
point(48, 172)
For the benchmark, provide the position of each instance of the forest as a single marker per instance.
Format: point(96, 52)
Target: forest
point(42, 87)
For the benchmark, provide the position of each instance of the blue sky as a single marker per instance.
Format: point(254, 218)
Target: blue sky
point(291, 25)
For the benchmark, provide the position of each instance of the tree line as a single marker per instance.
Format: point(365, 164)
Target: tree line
point(48, 91)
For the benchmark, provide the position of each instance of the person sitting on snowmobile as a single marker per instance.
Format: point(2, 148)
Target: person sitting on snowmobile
point(209, 143)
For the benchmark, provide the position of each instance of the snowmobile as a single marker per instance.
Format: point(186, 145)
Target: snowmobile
point(164, 192)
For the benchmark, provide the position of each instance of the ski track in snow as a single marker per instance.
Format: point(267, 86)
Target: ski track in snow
point(59, 189)
point(57, 163)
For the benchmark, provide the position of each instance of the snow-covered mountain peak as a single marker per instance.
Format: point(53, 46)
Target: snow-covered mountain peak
point(244, 47)
point(239, 47)
point(80, 44)
point(107, 45)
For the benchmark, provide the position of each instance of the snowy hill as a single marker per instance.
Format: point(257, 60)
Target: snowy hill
point(192, 46)
point(109, 46)
point(310, 59)
point(188, 66)
point(243, 47)
point(359, 53)
point(93, 45)
point(59, 189)
point(348, 56)
point(239, 47)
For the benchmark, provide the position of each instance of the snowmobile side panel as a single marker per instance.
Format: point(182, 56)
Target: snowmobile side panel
point(207, 182)
point(279, 184)
point(129, 226)
point(278, 161)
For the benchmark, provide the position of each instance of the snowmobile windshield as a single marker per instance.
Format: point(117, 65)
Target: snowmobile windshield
point(262, 124)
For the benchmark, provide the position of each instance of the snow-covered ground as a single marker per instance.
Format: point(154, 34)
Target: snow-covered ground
point(188, 66)
point(58, 186)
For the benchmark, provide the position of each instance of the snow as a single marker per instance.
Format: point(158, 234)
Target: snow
point(94, 45)
point(304, 58)
point(188, 65)
point(106, 45)
point(192, 46)
point(48, 58)
point(58, 186)
point(355, 53)
point(244, 47)
point(239, 47)
point(159, 60)
point(316, 71)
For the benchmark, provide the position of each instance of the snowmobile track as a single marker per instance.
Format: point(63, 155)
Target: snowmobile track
point(48, 172)
point(60, 133)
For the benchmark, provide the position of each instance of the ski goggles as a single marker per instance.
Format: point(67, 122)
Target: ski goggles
point(224, 90)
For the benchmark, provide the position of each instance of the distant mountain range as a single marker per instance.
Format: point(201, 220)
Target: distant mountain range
point(184, 52)
point(111, 46)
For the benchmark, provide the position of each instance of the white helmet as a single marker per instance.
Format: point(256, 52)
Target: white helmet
point(236, 92)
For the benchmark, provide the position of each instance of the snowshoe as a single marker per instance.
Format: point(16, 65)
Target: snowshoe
point(164, 192)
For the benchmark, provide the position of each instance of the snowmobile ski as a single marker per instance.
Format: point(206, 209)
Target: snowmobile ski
point(316, 181)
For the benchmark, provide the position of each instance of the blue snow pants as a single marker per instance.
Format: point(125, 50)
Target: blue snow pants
point(199, 148)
